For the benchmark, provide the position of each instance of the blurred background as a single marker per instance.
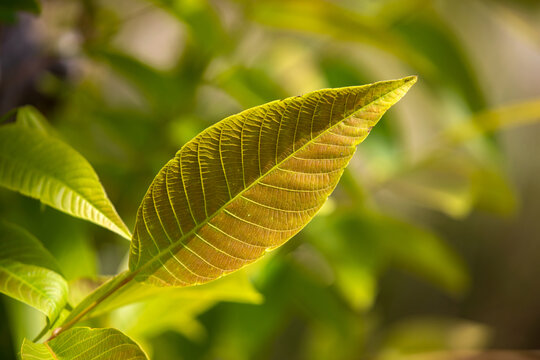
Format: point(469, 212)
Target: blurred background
point(431, 242)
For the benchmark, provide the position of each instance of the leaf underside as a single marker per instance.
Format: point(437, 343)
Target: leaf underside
point(45, 168)
point(29, 273)
point(83, 344)
point(251, 182)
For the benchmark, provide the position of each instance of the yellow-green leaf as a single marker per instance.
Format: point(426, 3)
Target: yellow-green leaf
point(249, 183)
point(44, 167)
point(84, 344)
point(29, 273)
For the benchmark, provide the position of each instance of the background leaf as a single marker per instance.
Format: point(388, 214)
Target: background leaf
point(47, 169)
point(84, 344)
point(252, 181)
point(368, 243)
point(328, 19)
point(29, 273)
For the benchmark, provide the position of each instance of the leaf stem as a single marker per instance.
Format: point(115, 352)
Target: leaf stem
point(121, 279)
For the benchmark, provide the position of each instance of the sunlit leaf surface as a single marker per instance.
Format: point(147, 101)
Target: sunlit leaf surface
point(249, 183)
point(84, 344)
point(46, 168)
point(29, 273)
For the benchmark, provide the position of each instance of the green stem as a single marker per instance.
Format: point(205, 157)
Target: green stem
point(88, 304)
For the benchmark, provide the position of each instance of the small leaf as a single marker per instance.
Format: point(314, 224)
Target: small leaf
point(29, 273)
point(84, 344)
point(252, 181)
point(46, 168)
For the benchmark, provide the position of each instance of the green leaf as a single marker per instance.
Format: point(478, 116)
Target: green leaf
point(249, 183)
point(330, 19)
point(155, 85)
point(370, 242)
point(443, 185)
point(360, 245)
point(497, 119)
point(29, 273)
point(84, 344)
point(424, 253)
point(454, 181)
point(354, 256)
point(46, 168)
point(426, 32)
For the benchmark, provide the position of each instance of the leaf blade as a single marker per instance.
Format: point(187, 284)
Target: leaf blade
point(192, 222)
point(84, 344)
point(29, 273)
point(47, 169)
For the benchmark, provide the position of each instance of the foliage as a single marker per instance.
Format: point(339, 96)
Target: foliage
point(397, 258)
point(249, 183)
point(43, 167)
point(29, 273)
point(85, 343)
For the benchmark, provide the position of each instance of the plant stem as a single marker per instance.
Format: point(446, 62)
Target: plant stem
point(121, 280)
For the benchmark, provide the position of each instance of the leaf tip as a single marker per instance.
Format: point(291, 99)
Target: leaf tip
point(404, 85)
point(411, 79)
